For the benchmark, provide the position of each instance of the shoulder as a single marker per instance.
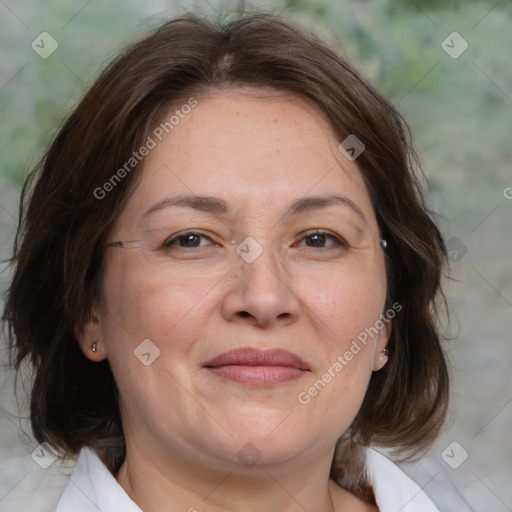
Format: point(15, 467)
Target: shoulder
point(92, 487)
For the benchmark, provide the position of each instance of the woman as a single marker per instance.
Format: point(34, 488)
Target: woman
point(226, 281)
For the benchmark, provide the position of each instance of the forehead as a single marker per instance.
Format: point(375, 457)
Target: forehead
point(252, 148)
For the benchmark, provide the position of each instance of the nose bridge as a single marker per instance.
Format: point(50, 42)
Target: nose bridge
point(261, 265)
point(261, 288)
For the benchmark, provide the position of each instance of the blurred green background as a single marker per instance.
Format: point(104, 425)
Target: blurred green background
point(458, 106)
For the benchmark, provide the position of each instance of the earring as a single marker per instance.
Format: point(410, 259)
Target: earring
point(383, 243)
point(93, 346)
point(383, 359)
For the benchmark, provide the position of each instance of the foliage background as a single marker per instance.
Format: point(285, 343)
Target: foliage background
point(460, 113)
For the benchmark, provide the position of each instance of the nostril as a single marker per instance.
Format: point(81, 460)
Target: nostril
point(244, 313)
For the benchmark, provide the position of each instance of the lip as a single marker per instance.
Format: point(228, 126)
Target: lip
point(257, 367)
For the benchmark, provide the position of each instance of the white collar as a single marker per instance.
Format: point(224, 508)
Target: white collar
point(92, 488)
point(394, 490)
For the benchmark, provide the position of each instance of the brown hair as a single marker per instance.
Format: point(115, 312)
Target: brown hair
point(63, 228)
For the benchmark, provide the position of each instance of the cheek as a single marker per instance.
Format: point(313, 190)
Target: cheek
point(343, 312)
point(141, 306)
point(146, 304)
point(344, 303)
point(172, 314)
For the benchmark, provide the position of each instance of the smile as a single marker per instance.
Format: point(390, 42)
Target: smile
point(255, 367)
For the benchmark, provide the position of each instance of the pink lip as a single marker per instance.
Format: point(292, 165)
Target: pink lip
point(257, 367)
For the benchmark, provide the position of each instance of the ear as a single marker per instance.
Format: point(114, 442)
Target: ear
point(381, 356)
point(89, 335)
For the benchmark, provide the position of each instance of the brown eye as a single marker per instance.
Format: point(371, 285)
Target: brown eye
point(322, 240)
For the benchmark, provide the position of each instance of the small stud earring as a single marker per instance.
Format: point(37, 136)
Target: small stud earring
point(383, 359)
point(384, 356)
point(383, 243)
point(94, 346)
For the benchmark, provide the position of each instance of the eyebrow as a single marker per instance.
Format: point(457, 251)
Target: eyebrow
point(218, 206)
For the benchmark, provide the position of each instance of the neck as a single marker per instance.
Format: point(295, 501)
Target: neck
point(157, 483)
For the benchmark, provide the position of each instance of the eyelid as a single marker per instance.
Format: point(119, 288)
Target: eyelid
point(173, 238)
point(339, 239)
point(176, 236)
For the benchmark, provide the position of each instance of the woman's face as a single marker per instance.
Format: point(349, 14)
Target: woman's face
point(278, 249)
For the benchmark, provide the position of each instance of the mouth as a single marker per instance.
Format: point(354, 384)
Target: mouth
point(256, 367)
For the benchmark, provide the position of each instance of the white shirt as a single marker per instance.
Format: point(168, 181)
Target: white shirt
point(92, 488)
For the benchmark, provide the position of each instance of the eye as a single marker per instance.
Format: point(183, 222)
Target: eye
point(322, 240)
point(188, 240)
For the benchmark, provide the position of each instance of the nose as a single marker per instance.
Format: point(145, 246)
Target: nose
point(261, 293)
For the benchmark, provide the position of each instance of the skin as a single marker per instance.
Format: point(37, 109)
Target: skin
point(184, 426)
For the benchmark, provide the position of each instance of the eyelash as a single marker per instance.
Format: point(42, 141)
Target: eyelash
point(171, 241)
point(337, 240)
